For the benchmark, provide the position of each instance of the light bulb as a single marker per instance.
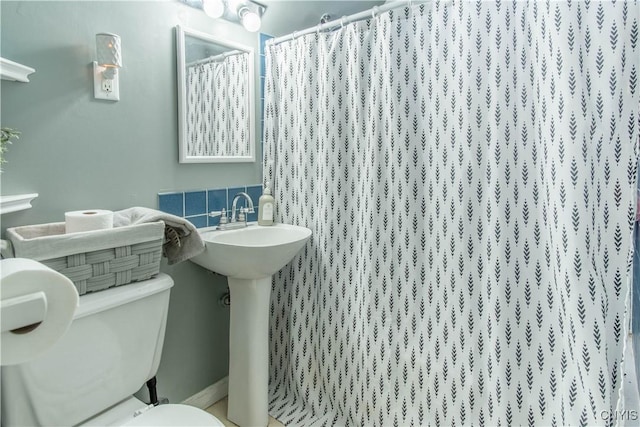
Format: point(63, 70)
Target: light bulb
point(213, 8)
point(250, 20)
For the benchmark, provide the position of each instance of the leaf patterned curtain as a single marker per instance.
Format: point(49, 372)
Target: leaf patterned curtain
point(218, 107)
point(468, 170)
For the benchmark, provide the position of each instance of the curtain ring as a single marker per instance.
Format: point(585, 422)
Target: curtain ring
point(318, 28)
point(374, 11)
point(295, 35)
point(342, 22)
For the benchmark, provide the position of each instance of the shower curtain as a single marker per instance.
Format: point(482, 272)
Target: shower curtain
point(468, 171)
point(217, 107)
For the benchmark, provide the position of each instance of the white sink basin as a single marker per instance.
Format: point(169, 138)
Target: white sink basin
point(251, 253)
point(249, 257)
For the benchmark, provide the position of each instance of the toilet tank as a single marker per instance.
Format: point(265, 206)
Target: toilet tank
point(111, 349)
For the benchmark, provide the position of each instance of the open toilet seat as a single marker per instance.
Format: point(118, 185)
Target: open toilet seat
point(175, 415)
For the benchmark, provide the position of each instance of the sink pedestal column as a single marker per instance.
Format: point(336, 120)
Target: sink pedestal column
point(249, 351)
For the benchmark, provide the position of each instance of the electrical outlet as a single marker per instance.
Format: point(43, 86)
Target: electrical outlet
point(107, 85)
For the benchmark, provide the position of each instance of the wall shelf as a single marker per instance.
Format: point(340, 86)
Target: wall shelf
point(13, 71)
point(15, 203)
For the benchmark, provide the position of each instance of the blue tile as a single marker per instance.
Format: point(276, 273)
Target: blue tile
point(263, 39)
point(217, 201)
point(199, 221)
point(172, 203)
point(262, 66)
point(195, 203)
point(255, 191)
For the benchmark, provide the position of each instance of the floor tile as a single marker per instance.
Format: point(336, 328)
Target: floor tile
point(219, 410)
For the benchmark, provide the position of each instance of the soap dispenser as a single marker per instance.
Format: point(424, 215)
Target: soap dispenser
point(266, 207)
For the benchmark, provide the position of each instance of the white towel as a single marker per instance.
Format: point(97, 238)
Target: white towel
point(182, 240)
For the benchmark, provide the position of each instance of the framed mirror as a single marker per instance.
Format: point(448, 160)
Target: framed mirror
point(216, 99)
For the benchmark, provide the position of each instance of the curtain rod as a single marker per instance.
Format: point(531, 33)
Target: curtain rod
point(214, 58)
point(370, 13)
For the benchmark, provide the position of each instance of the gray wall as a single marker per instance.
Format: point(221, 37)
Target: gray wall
point(79, 153)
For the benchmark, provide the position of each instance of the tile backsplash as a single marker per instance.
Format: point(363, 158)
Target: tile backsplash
point(195, 205)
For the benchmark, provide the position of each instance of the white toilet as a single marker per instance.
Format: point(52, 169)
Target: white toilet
point(111, 349)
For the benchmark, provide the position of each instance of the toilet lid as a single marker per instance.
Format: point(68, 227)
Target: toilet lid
point(175, 415)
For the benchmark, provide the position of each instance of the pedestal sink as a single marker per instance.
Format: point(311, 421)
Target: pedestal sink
point(249, 257)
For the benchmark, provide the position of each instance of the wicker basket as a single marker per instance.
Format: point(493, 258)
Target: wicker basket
point(93, 260)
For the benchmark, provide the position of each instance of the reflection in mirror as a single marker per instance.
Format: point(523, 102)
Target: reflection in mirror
point(216, 99)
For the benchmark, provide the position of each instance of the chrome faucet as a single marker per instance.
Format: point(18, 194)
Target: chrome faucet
point(243, 211)
point(235, 222)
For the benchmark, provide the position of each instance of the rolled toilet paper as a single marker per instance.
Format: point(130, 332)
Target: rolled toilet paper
point(88, 220)
point(37, 305)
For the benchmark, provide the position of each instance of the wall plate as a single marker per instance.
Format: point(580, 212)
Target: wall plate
point(108, 89)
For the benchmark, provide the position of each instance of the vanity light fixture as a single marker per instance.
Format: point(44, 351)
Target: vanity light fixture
point(247, 12)
point(106, 84)
point(250, 19)
point(213, 8)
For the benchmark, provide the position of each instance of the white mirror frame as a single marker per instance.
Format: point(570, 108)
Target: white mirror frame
point(181, 32)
